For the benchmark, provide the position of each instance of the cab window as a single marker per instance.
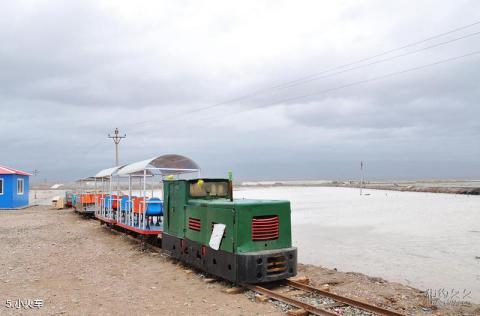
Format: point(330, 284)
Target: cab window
point(209, 189)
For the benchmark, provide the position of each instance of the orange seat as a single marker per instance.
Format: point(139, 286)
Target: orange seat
point(138, 205)
point(114, 201)
point(87, 198)
point(142, 205)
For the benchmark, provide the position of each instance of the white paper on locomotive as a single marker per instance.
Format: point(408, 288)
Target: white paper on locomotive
point(217, 234)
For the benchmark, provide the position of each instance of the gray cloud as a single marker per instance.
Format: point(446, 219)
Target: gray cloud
point(72, 71)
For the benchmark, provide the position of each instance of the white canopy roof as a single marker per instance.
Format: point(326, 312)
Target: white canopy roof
point(86, 179)
point(165, 164)
point(105, 173)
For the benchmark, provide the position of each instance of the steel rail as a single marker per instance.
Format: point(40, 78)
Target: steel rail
point(283, 298)
point(342, 299)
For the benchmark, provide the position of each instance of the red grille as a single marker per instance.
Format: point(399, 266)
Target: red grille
point(265, 227)
point(194, 224)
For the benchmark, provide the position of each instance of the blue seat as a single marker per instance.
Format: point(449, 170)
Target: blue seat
point(154, 207)
point(125, 204)
point(108, 201)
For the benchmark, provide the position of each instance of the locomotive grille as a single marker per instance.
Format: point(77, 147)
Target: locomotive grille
point(276, 265)
point(264, 228)
point(194, 224)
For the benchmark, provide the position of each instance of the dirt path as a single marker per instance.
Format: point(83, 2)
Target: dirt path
point(78, 267)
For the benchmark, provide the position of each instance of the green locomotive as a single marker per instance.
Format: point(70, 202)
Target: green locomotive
point(256, 245)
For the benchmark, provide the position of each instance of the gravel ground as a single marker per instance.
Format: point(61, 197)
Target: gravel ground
point(78, 267)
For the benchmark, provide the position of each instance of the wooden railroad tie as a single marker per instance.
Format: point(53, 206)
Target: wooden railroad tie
point(235, 290)
point(297, 312)
point(300, 279)
point(259, 298)
point(209, 280)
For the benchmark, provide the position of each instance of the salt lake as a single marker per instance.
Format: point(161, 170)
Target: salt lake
point(426, 240)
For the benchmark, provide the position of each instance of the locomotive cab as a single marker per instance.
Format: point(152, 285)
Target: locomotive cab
point(256, 244)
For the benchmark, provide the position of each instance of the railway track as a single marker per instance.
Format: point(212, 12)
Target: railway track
point(272, 290)
point(278, 292)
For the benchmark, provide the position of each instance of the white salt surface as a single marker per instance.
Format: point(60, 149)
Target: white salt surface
point(44, 197)
point(426, 240)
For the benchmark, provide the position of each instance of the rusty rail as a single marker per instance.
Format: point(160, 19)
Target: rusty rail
point(283, 298)
point(342, 299)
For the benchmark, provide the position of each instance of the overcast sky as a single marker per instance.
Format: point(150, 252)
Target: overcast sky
point(72, 71)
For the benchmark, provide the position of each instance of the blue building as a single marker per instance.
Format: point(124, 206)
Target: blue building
point(14, 188)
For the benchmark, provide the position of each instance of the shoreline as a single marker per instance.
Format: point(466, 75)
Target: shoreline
point(448, 186)
point(467, 187)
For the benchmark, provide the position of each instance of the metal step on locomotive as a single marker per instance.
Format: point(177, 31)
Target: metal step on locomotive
point(195, 220)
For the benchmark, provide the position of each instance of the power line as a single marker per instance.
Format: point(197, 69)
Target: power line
point(315, 75)
point(259, 91)
point(384, 60)
point(386, 52)
point(392, 74)
point(312, 76)
point(361, 81)
point(92, 147)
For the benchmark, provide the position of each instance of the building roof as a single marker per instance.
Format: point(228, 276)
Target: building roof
point(7, 170)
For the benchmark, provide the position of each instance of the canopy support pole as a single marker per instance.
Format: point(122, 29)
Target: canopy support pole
point(144, 196)
point(129, 200)
point(95, 195)
point(119, 206)
point(153, 185)
point(110, 209)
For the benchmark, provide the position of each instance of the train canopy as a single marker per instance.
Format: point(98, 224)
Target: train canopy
point(107, 173)
point(163, 165)
point(87, 179)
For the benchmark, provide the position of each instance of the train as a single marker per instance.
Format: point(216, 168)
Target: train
point(196, 220)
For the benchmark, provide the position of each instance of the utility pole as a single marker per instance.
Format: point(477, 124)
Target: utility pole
point(35, 173)
point(116, 139)
point(362, 176)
